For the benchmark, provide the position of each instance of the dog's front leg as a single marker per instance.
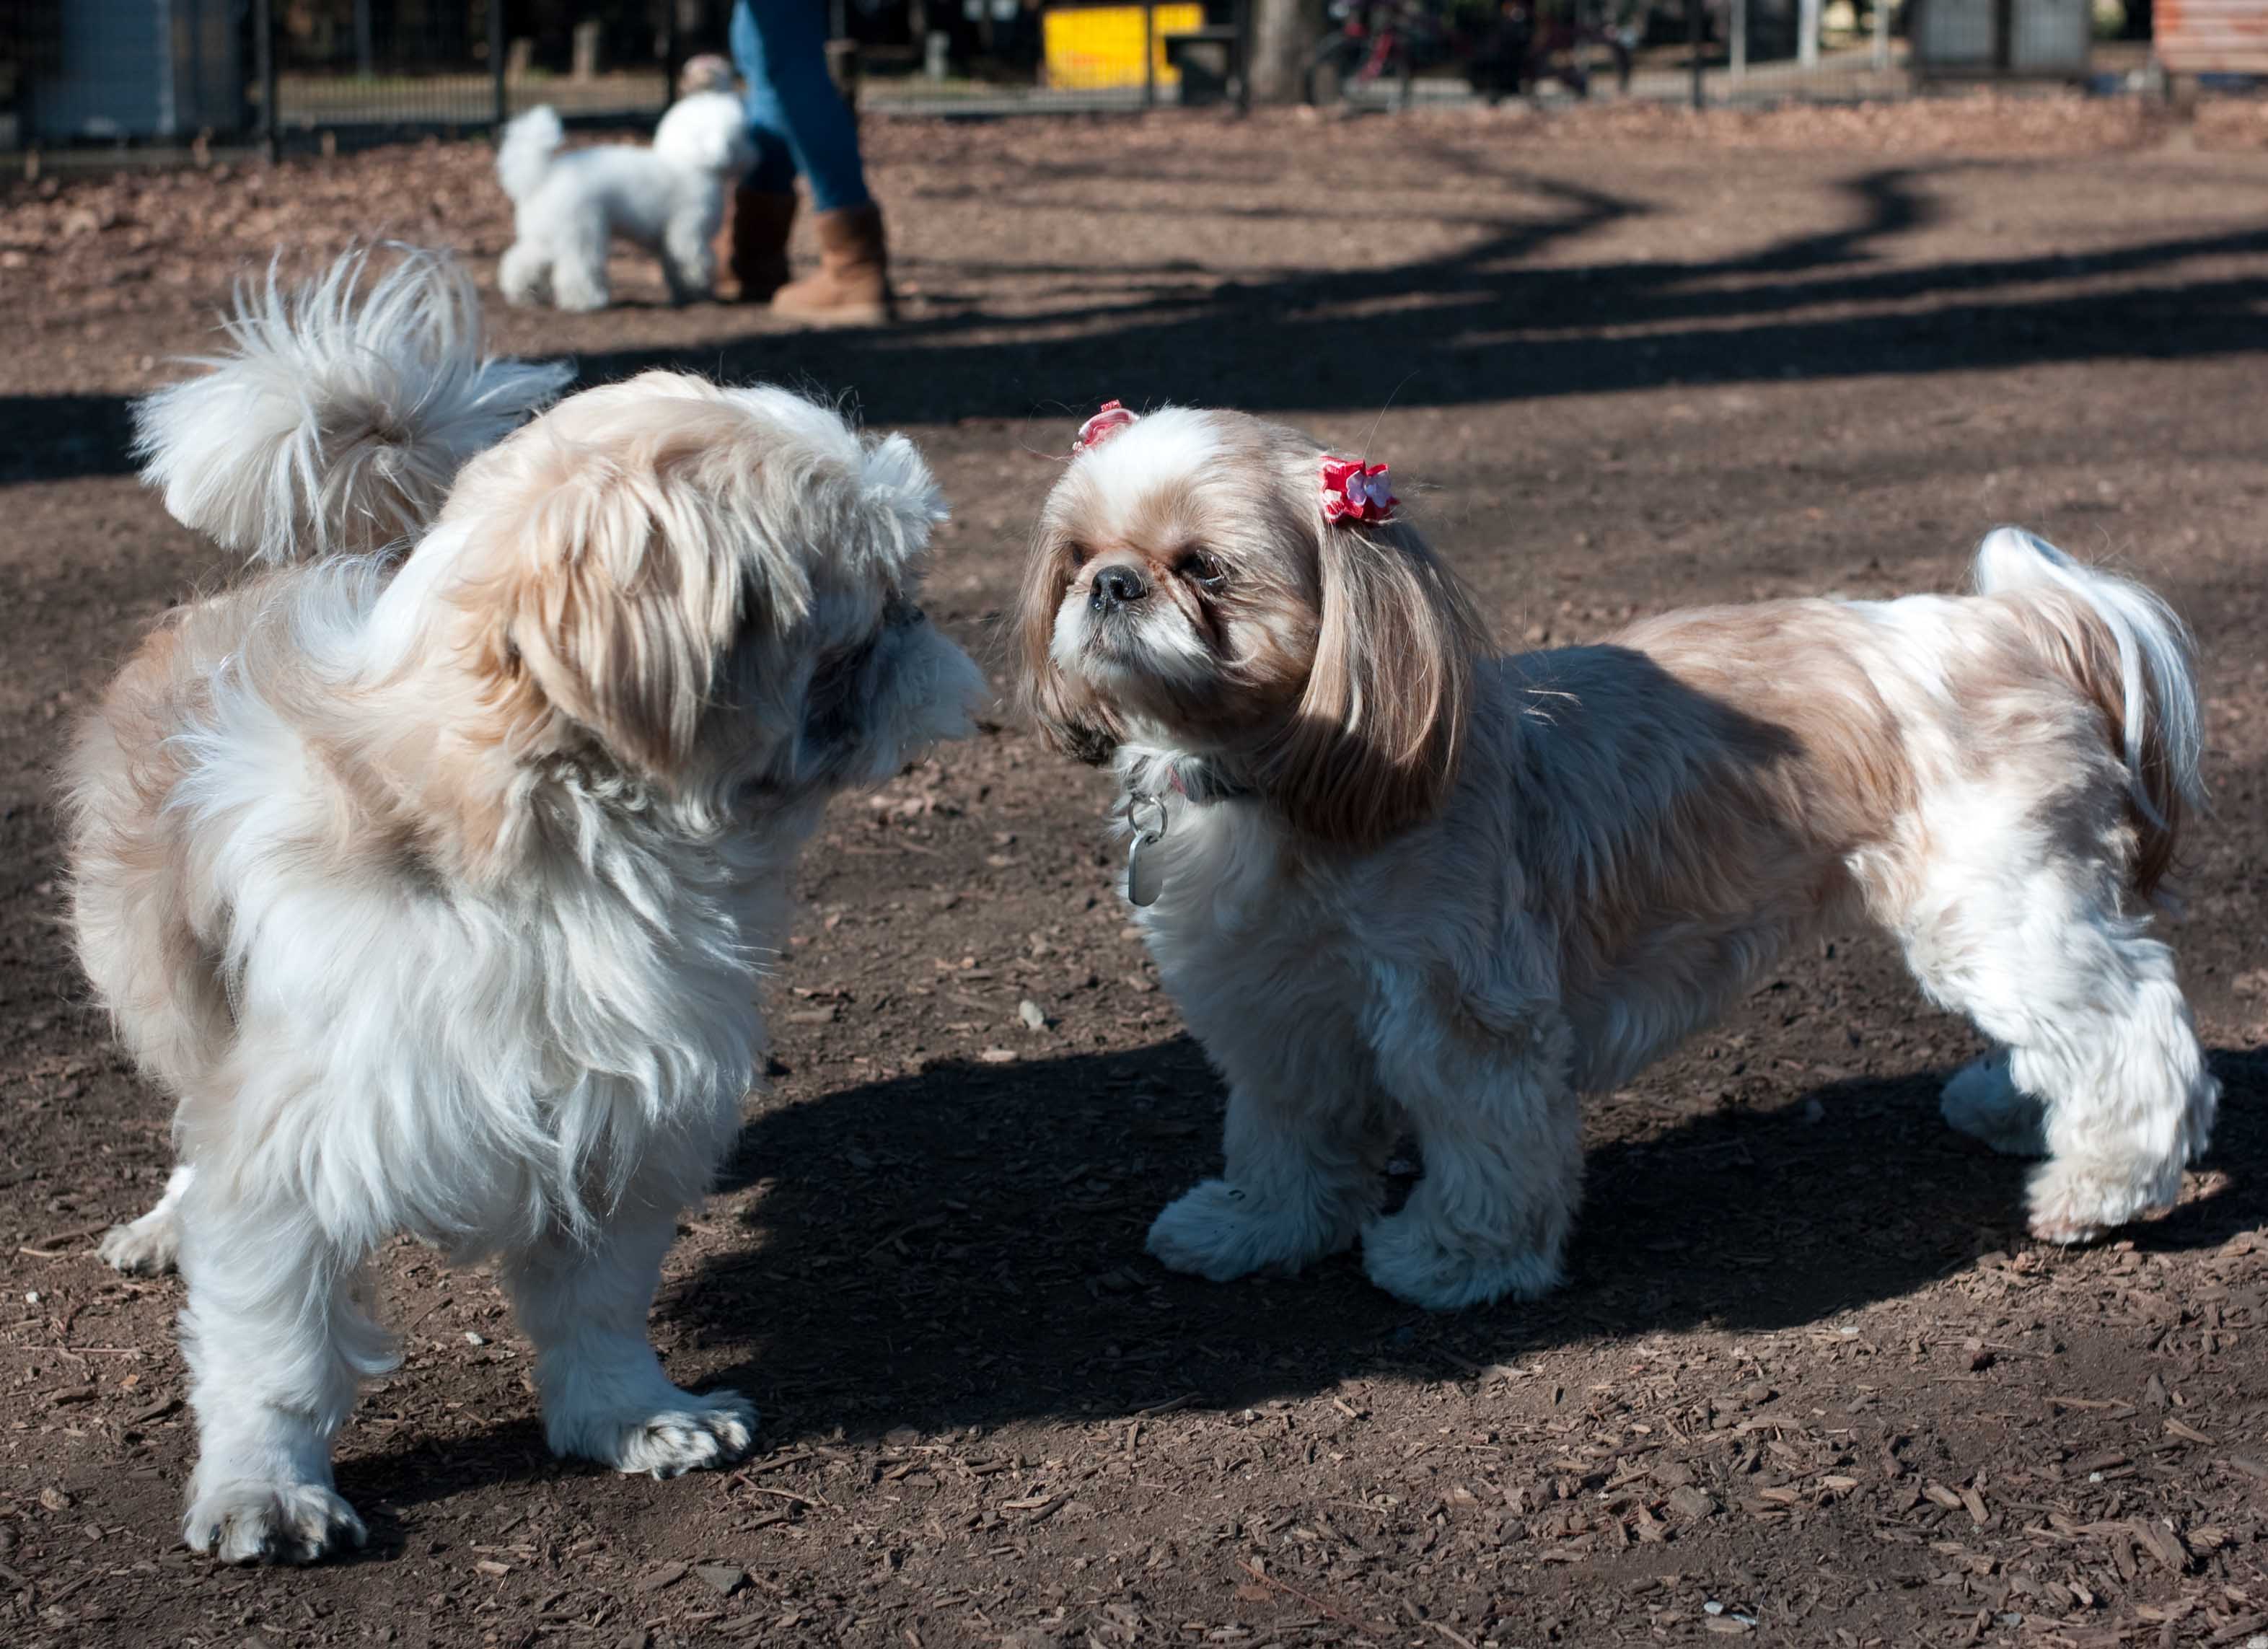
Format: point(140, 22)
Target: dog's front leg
point(689, 261)
point(1487, 1089)
point(584, 1305)
point(1308, 1137)
point(275, 1340)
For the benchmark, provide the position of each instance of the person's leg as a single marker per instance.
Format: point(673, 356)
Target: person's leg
point(781, 48)
point(774, 172)
point(752, 245)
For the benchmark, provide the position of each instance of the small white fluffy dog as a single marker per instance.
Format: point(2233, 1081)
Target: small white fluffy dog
point(440, 899)
point(668, 198)
point(1391, 876)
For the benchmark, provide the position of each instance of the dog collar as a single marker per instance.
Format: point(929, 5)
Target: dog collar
point(1151, 789)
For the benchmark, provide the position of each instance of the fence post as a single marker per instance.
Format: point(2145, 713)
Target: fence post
point(1243, 16)
point(1694, 26)
point(1806, 34)
point(497, 49)
point(1149, 56)
point(263, 64)
point(1737, 47)
point(1881, 34)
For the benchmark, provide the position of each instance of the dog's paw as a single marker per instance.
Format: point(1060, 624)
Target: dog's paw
point(1982, 1102)
point(1409, 1259)
point(688, 1434)
point(2077, 1201)
point(1219, 1232)
point(144, 1247)
point(250, 1521)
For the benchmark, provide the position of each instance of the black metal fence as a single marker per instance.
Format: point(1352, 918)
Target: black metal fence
point(160, 74)
point(171, 73)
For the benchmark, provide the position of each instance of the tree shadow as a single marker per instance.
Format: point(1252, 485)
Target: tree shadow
point(1489, 321)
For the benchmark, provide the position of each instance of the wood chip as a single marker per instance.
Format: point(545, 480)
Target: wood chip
point(2161, 1543)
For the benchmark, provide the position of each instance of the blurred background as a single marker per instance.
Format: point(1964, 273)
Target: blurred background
point(79, 72)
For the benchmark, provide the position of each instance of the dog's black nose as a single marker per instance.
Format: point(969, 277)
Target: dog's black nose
point(1115, 587)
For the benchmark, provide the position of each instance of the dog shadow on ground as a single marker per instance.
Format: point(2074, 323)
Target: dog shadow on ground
point(964, 1248)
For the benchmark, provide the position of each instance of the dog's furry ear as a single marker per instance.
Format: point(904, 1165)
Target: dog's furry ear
point(1374, 745)
point(707, 135)
point(902, 498)
point(1070, 720)
point(623, 576)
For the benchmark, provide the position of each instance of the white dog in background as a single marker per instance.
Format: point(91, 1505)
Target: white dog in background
point(668, 198)
point(440, 899)
point(1393, 877)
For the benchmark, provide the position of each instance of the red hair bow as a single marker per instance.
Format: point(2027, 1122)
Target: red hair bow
point(1105, 423)
point(1355, 491)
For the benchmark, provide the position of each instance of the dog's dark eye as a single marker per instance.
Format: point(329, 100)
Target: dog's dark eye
point(1079, 554)
point(1200, 569)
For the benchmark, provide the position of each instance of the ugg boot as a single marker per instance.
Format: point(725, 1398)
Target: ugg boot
point(752, 245)
point(851, 287)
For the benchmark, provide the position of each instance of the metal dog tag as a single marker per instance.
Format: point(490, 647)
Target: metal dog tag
point(1146, 879)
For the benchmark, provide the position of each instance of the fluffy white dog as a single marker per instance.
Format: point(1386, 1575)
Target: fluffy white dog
point(440, 899)
point(668, 198)
point(1391, 876)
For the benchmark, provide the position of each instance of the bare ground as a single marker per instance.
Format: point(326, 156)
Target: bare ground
point(1809, 1382)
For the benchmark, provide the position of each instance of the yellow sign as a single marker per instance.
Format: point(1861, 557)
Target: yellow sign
point(1093, 47)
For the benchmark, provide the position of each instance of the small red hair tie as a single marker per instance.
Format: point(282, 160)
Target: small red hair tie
point(1355, 491)
point(1105, 423)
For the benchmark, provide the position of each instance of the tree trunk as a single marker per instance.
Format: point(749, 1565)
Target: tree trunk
point(1284, 36)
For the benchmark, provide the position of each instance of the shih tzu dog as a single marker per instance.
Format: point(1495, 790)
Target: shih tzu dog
point(439, 892)
point(1394, 879)
point(667, 197)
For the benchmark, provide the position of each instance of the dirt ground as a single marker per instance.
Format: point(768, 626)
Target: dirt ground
point(1809, 1382)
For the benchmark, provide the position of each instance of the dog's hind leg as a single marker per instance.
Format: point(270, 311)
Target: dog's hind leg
point(149, 1244)
point(585, 1304)
point(580, 288)
point(579, 264)
point(2021, 927)
point(275, 1338)
point(1982, 1100)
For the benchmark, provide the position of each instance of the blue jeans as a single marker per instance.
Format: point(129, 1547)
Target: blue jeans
point(799, 121)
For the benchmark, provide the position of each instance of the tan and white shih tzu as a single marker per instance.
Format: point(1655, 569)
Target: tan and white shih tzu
point(1394, 879)
point(440, 898)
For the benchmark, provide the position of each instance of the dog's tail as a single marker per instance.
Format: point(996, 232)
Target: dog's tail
point(2122, 646)
point(525, 154)
point(338, 417)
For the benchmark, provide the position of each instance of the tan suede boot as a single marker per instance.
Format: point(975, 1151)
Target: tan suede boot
point(752, 245)
point(851, 287)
